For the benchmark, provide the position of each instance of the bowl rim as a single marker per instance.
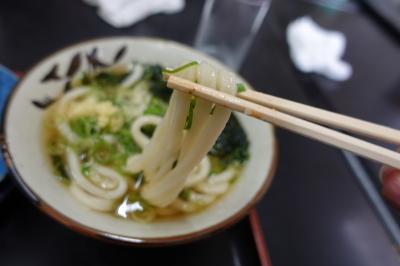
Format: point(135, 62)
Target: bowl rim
point(107, 236)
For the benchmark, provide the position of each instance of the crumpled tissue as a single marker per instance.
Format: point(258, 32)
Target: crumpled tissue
point(123, 13)
point(314, 49)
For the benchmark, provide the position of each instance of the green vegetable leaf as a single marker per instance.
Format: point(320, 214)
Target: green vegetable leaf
point(86, 79)
point(160, 88)
point(240, 87)
point(180, 68)
point(85, 169)
point(59, 167)
point(125, 139)
point(185, 194)
point(107, 79)
point(156, 107)
point(217, 166)
point(148, 130)
point(103, 79)
point(189, 117)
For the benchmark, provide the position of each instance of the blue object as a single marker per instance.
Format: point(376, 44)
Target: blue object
point(7, 82)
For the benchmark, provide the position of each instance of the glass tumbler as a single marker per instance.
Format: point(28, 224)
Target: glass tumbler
point(228, 27)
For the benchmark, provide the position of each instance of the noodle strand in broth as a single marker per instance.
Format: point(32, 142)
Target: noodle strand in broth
point(185, 147)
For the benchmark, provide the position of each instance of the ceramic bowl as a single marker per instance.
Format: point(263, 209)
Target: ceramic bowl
point(24, 153)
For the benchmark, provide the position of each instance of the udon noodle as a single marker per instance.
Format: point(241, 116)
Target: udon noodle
point(121, 148)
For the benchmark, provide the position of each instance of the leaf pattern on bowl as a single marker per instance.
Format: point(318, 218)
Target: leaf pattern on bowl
point(44, 103)
point(73, 68)
point(67, 87)
point(120, 53)
point(93, 59)
point(52, 74)
point(74, 65)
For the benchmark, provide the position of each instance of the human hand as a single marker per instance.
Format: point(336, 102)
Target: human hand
point(390, 178)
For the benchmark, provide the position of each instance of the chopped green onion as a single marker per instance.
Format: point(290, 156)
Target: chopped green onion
point(232, 144)
point(84, 126)
point(103, 152)
point(240, 87)
point(85, 169)
point(189, 117)
point(124, 138)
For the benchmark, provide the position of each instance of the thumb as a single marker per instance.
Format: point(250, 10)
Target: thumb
point(391, 185)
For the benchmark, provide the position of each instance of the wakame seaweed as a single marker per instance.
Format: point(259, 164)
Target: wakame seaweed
point(148, 130)
point(158, 86)
point(232, 145)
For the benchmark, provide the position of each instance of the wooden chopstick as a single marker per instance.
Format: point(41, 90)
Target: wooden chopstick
point(292, 123)
point(323, 117)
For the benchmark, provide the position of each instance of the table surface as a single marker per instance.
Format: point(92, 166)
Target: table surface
point(315, 212)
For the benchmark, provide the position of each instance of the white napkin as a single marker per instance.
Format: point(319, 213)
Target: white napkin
point(123, 13)
point(314, 49)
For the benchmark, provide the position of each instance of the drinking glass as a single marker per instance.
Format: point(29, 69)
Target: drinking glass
point(228, 27)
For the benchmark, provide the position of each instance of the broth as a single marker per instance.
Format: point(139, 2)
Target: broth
point(90, 132)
